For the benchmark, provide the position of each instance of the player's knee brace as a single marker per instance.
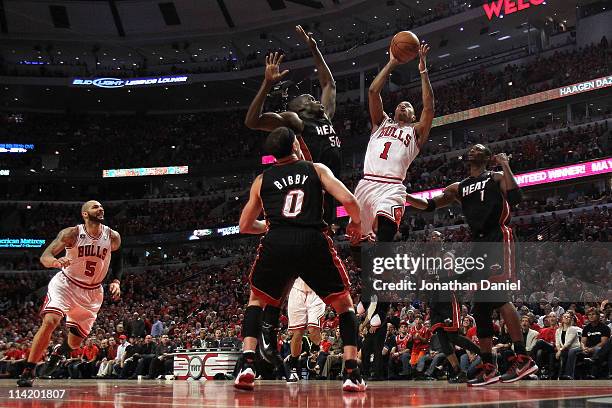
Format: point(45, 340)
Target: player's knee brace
point(348, 328)
point(484, 322)
point(252, 321)
point(445, 345)
point(386, 229)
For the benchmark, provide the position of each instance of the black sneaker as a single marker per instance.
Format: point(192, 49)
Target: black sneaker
point(267, 347)
point(459, 378)
point(487, 375)
point(522, 366)
point(54, 360)
point(353, 382)
point(26, 379)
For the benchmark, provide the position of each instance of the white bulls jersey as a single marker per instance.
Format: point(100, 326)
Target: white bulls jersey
point(391, 150)
point(89, 257)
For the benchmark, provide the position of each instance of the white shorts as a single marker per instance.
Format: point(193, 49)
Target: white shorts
point(79, 305)
point(376, 199)
point(305, 309)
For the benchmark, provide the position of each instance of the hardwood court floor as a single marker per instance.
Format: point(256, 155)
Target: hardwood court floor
point(277, 394)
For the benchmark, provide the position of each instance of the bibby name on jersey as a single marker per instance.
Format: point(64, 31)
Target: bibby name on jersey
point(289, 181)
point(392, 132)
point(469, 189)
point(92, 250)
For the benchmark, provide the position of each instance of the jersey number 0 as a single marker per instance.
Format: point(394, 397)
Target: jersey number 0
point(293, 203)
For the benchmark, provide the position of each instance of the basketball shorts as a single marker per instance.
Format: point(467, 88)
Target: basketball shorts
point(80, 306)
point(498, 250)
point(286, 253)
point(376, 198)
point(305, 309)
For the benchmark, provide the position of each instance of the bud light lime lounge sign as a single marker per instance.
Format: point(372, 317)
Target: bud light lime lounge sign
point(129, 82)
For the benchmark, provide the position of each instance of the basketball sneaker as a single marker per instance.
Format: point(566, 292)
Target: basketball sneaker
point(353, 382)
point(267, 347)
point(293, 376)
point(245, 380)
point(26, 379)
point(522, 366)
point(54, 360)
point(487, 375)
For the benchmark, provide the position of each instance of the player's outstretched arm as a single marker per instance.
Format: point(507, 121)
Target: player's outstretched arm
point(448, 196)
point(116, 266)
point(326, 79)
point(424, 126)
point(249, 224)
point(506, 179)
point(255, 118)
point(375, 103)
point(65, 239)
point(339, 191)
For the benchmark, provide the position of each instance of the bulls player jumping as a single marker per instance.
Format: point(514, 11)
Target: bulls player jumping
point(393, 145)
point(310, 119)
point(76, 291)
point(486, 198)
point(295, 244)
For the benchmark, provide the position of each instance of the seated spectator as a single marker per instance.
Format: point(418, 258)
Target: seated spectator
point(567, 340)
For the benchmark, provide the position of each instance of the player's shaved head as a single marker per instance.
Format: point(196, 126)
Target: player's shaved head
point(92, 211)
point(88, 204)
point(479, 154)
point(279, 142)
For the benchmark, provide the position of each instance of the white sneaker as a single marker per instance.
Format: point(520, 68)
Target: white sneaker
point(354, 385)
point(293, 376)
point(245, 379)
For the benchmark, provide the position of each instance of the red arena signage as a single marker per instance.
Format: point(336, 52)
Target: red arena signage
point(508, 6)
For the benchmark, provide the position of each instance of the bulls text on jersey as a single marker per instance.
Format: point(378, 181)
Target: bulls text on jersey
point(290, 181)
point(92, 250)
point(392, 131)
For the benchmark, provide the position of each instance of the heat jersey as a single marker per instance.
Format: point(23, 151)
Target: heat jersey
point(484, 205)
point(292, 195)
point(391, 150)
point(89, 258)
point(322, 143)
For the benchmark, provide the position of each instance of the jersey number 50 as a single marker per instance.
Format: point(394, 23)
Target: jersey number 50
point(293, 203)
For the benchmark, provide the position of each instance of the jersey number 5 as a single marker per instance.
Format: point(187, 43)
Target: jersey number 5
point(385, 154)
point(293, 203)
point(90, 268)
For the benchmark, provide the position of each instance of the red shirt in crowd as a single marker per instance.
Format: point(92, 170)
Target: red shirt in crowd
point(536, 327)
point(15, 354)
point(325, 346)
point(401, 342)
point(76, 353)
point(418, 344)
point(331, 324)
point(90, 352)
point(548, 334)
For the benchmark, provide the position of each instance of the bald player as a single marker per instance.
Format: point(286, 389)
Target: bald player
point(75, 292)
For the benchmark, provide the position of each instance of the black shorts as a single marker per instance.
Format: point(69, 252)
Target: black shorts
point(497, 247)
point(445, 315)
point(286, 253)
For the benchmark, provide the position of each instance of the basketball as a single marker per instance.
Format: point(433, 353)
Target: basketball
point(405, 46)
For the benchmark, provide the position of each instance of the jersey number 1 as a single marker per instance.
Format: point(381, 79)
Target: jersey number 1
point(385, 154)
point(293, 203)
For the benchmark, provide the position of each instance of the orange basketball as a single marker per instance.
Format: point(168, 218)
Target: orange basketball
point(405, 46)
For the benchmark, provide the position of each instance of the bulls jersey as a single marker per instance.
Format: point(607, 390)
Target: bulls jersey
point(292, 195)
point(322, 143)
point(89, 257)
point(299, 284)
point(391, 150)
point(484, 205)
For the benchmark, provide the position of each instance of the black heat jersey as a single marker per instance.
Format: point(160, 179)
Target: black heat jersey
point(485, 207)
point(323, 143)
point(292, 195)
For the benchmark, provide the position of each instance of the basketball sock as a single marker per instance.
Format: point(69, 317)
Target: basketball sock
point(487, 358)
point(348, 328)
point(519, 348)
point(350, 365)
point(386, 229)
point(252, 321)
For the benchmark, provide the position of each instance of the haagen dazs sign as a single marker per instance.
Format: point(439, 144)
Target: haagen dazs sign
point(120, 83)
point(502, 7)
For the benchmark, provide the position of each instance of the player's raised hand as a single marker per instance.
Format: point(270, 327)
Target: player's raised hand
point(501, 159)
point(115, 290)
point(62, 262)
point(272, 73)
point(394, 61)
point(306, 37)
point(423, 50)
